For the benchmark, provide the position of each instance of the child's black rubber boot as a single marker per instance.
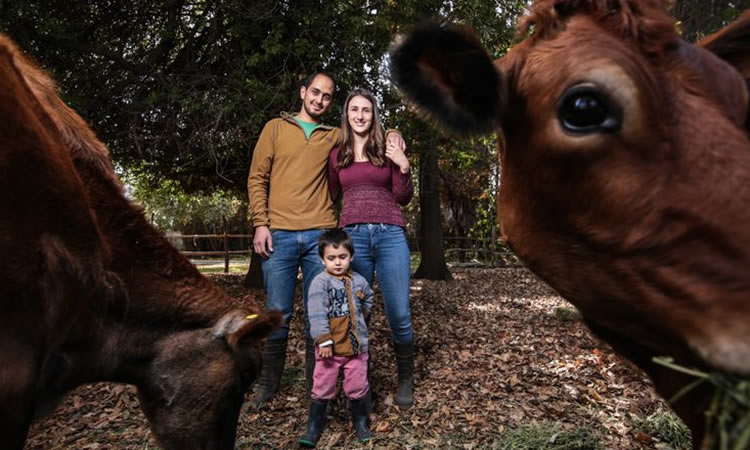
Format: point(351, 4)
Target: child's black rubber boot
point(315, 423)
point(359, 418)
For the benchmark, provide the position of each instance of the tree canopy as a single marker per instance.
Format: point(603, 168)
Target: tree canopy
point(183, 87)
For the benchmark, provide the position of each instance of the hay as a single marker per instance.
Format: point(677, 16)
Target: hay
point(728, 415)
point(668, 428)
point(549, 436)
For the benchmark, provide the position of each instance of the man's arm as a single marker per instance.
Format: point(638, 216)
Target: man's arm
point(259, 176)
point(257, 190)
point(394, 136)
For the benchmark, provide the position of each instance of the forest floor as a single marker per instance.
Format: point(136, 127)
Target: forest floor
point(497, 352)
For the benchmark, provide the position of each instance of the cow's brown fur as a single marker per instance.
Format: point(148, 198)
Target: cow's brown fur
point(644, 227)
point(89, 291)
point(645, 23)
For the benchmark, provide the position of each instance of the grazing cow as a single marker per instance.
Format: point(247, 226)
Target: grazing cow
point(626, 170)
point(89, 291)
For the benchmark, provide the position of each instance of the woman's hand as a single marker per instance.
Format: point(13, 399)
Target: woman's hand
point(394, 150)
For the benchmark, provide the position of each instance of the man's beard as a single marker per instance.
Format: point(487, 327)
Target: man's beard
point(313, 114)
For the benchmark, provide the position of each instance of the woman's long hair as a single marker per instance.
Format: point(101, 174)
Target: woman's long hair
point(375, 146)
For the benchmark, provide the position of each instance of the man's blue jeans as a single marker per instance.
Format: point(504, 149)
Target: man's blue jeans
point(291, 249)
point(382, 249)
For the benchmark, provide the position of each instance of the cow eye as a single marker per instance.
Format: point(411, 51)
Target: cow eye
point(583, 109)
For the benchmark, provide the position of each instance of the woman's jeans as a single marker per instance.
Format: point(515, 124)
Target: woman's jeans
point(382, 249)
point(291, 249)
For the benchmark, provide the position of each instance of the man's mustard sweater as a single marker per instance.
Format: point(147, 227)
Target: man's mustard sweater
point(288, 184)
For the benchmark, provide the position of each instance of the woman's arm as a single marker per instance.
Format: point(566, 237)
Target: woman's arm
point(334, 185)
point(401, 185)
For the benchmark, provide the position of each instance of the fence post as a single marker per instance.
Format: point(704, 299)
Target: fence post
point(226, 244)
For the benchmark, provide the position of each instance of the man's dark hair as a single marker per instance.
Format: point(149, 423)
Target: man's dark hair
point(335, 237)
point(308, 81)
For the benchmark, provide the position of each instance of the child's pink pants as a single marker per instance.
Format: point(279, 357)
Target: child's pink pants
point(327, 372)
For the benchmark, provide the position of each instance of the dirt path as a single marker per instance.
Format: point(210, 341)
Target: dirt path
point(492, 356)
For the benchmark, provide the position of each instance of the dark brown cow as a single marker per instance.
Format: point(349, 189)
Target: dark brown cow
point(89, 291)
point(626, 170)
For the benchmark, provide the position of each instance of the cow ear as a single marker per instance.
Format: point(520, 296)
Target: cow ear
point(20, 106)
point(732, 44)
point(237, 326)
point(447, 73)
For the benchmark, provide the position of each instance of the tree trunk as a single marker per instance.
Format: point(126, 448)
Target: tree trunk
point(254, 276)
point(432, 262)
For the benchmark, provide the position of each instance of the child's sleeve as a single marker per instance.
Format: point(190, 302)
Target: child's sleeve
point(367, 299)
point(317, 310)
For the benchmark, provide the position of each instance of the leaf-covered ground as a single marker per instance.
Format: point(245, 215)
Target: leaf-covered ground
point(494, 354)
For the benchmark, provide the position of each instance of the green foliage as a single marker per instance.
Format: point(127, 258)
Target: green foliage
point(486, 170)
point(699, 18)
point(549, 436)
point(186, 85)
point(668, 428)
point(170, 208)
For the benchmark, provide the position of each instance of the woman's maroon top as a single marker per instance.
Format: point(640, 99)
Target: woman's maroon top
point(371, 194)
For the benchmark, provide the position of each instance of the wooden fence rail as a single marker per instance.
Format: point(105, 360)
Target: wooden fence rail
point(224, 236)
point(487, 250)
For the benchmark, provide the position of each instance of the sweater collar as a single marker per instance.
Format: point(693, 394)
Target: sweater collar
point(290, 117)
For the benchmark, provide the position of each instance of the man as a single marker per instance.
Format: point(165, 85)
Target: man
point(291, 207)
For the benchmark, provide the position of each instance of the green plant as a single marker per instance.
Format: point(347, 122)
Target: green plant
point(668, 428)
point(728, 415)
point(549, 436)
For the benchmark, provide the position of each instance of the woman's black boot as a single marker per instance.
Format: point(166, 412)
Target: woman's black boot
point(405, 368)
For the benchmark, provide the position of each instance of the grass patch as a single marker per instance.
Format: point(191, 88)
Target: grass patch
point(219, 268)
point(567, 314)
point(668, 428)
point(216, 265)
point(549, 436)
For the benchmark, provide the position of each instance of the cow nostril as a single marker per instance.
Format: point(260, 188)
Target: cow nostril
point(582, 109)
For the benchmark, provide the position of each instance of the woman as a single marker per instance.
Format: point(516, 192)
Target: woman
point(375, 178)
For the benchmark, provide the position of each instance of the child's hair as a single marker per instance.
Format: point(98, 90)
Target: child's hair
point(335, 237)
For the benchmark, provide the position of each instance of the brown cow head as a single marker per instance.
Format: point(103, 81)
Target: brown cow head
point(194, 388)
point(626, 165)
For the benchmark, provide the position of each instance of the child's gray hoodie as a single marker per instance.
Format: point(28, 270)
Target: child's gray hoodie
point(336, 309)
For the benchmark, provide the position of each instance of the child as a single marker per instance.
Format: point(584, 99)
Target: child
point(337, 302)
